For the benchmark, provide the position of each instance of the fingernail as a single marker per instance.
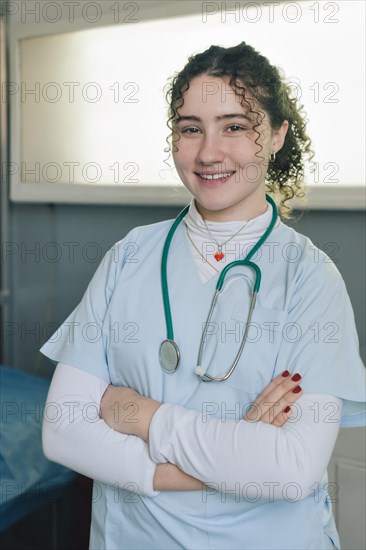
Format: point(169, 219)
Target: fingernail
point(285, 373)
point(296, 377)
point(296, 390)
point(287, 409)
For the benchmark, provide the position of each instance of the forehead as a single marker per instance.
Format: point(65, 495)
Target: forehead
point(210, 93)
point(210, 89)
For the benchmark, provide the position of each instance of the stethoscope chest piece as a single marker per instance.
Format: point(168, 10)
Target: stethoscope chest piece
point(169, 356)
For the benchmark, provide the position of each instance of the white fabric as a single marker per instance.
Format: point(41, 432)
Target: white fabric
point(235, 249)
point(231, 455)
point(74, 435)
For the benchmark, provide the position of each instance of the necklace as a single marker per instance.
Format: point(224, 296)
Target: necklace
point(199, 252)
point(219, 255)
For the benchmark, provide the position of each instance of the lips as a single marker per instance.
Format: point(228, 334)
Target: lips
point(216, 176)
point(213, 179)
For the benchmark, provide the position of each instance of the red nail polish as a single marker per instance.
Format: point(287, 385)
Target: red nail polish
point(296, 390)
point(285, 373)
point(287, 409)
point(296, 377)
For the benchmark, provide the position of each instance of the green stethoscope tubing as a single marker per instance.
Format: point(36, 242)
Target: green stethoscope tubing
point(245, 262)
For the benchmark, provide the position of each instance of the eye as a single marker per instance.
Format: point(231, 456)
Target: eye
point(190, 130)
point(235, 128)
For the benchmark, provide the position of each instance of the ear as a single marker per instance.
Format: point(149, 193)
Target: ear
point(278, 136)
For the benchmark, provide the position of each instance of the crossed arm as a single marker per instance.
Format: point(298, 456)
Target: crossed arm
point(74, 435)
point(268, 407)
point(228, 454)
point(82, 439)
point(90, 446)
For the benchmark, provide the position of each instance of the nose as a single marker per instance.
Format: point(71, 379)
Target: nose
point(210, 150)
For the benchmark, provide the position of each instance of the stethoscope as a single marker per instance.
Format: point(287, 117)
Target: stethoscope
point(169, 354)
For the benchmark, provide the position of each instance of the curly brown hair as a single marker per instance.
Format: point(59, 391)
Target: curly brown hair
point(259, 85)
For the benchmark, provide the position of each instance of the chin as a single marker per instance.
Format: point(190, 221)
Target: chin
point(219, 203)
point(215, 206)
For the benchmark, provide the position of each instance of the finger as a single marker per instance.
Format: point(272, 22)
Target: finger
point(271, 409)
point(274, 396)
point(266, 411)
point(275, 382)
point(280, 389)
point(253, 414)
point(282, 417)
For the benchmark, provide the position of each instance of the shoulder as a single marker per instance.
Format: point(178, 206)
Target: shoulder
point(137, 237)
point(144, 234)
point(130, 249)
point(313, 282)
point(126, 253)
point(310, 262)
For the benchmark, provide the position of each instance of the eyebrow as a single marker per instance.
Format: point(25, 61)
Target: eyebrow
point(222, 117)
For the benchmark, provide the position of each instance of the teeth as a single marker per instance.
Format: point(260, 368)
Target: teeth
point(215, 176)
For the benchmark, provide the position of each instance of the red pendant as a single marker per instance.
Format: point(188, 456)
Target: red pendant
point(219, 256)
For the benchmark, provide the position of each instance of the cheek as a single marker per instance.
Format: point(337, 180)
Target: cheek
point(175, 144)
point(183, 157)
point(177, 159)
point(252, 154)
point(180, 165)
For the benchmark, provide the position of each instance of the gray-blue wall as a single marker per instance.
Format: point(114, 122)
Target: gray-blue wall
point(55, 249)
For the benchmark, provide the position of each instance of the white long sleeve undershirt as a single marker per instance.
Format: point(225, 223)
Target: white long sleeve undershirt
point(231, 455)
point(222, 453)
point(74, 435)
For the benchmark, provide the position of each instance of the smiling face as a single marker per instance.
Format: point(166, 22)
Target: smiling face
point(218, 155)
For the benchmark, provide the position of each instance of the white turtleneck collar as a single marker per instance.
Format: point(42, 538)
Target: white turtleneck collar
point(204, 246)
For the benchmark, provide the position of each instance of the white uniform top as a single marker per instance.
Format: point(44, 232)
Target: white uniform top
point(303, 322)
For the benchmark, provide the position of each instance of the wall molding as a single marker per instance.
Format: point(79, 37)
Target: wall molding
point(325, 197)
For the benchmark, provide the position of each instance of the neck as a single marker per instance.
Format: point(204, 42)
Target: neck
point(237, 212)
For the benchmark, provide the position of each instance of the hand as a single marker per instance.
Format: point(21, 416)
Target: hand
point(271, 404)
point(128, 412)
point(168, 477)
point(118, 407)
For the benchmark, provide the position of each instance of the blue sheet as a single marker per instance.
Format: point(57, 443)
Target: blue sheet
point(28, 478)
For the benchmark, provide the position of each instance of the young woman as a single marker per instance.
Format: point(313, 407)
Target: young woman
point(224, 411)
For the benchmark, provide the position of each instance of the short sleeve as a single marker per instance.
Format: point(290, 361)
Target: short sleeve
point(81, 339)
point(320, 341)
